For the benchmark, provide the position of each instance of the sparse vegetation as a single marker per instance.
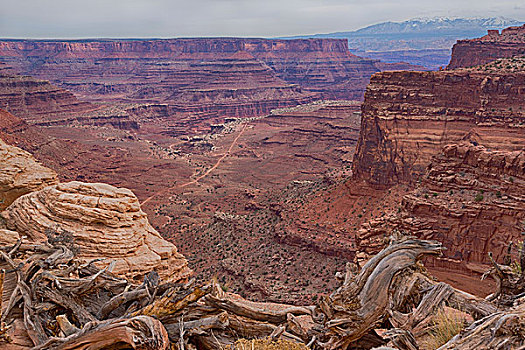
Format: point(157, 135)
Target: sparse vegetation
point(265, 344)
point(479, 197)
point(445, 326)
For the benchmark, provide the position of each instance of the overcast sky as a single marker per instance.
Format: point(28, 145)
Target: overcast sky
point(261, 18)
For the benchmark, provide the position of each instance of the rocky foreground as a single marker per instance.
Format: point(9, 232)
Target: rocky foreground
point(103, 221)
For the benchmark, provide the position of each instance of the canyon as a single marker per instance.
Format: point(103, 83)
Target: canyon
point(424, 41)
point(197, 79)
point(439, 156)
point(93, 272)
point(255, 164)
point(408, 116)
point(236, 152)
point(35, 99)
point(456, 140)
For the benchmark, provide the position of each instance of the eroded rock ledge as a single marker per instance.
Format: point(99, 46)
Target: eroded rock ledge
point(20, 173)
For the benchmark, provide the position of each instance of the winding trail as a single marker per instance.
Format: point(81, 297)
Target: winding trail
point(202, 176)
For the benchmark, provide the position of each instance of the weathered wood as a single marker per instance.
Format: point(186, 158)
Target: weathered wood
point(140, 332)
point(120, 299)
point(197, 327)
point(501, 330)
point(391, 291)
point(361, 304)
point(31, 320)
point(241, 308)
point(172, 303)
point(401, 339)
point(67, 303)
point(430, 303)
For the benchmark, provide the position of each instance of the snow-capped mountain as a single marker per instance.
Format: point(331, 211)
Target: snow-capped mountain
point(436, 25)
point(422, 41)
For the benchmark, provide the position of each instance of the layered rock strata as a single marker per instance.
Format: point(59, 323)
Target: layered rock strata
point(471, 198)
point(509, 43)
point(223, 76)
point(34, 99)
point(409, 116)
point(101, 221)
point(20, 173)
point(457, 138)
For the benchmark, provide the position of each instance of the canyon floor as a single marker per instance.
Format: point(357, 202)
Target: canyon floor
point(256, 202)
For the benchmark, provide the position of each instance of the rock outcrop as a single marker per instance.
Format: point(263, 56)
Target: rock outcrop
point(20, 173)
point(38, 102)
point(471, 198)
point(509, 43)
point(455, 139)
point(69, 159)
point(409, 116)
point(101, 221)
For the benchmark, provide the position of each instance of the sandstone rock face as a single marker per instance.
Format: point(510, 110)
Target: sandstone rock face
point(457, 137)
point(509, 43)
point(101, 221)
point(69, 159)
point(409, 116)
point(40, 103)
point(9, 126)
point(471, 198)
point(8, 237)
point(20, 173)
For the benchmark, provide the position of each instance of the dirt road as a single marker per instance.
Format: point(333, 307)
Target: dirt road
point(202, 176)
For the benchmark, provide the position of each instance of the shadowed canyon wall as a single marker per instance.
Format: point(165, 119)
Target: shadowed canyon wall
point(409, 116)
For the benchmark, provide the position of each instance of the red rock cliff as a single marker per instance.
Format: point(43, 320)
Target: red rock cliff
point(471, 198)
point(146, 70)
point(468, 53)
point(35, 99)
point(407, 117)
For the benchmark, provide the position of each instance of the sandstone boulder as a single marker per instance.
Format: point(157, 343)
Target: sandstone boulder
point(99, 221)
point(20, 173)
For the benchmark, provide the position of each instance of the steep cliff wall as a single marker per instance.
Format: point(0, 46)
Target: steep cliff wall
point(409, 116)
point(456, 137)
point(509, 43)
point(471, 198)
point(198, 70)
point(69, 158)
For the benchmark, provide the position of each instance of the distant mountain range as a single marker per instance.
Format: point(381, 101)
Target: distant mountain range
point(423, 41)
point(460, 27)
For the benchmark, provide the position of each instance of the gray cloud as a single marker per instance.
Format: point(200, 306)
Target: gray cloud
point(263, 18)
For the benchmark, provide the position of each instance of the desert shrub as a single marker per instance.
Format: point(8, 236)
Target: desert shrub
point(479, 197)
point(265, 344)
point(445, 326)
